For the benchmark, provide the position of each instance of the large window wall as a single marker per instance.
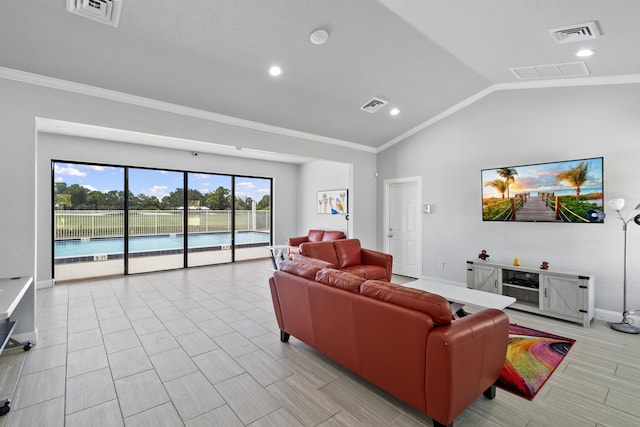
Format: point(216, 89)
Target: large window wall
point(169, 219)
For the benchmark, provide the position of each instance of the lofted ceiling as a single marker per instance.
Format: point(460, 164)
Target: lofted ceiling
point(423, 56)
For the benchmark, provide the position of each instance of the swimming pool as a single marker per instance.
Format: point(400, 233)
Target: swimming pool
point(80, 248)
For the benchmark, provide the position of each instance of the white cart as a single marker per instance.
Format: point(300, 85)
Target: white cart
point(17, 318)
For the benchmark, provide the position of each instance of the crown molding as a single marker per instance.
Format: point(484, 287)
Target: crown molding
point(83, 89)
point(111, 95)
point(435, 119)
point(571, 82)
point(534, 84)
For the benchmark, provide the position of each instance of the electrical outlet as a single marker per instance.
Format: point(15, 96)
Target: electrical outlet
point(441, 265)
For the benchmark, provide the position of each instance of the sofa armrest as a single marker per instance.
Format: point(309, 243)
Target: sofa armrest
point(465, 359)
point(296, 241)
point(276, 302)
point(371, 257)
point(294, 245)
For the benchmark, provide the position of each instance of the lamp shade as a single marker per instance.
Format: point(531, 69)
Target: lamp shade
point(636, 219)
point(616, 204)
point(595, 215)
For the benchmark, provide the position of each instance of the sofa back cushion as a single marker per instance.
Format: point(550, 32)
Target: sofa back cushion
point(339, 279)
point(312, 261)
point(348, 252)
point(315, 235)
point(302, 269)
point(330, 235)
point(320, 250)
point(435, 306)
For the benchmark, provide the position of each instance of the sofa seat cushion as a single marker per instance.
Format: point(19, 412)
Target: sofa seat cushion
point(435, 306)
point(320, 250)
point(302, 269)
point(368, 272)
point(339, 279)
point(348, 252)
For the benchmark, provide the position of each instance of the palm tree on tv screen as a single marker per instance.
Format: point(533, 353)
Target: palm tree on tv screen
point(576, 176)
point(500, 186)
point(509, 175)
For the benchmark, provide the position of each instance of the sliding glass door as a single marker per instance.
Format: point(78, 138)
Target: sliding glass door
point(155, 220)
point(210, 220)
point(88, 220)
point(252, 199)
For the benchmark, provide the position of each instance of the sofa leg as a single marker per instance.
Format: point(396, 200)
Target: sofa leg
point(490, 393)
point(284, 337)
point(437, 424)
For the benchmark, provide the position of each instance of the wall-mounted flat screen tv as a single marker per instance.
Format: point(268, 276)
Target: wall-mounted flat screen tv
point(547, 192)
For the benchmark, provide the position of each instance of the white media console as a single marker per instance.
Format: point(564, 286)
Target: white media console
point(560, 294)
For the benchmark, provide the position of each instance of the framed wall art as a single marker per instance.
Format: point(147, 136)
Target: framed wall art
point(334, 202)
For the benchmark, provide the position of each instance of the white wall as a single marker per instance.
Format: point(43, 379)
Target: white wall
point(21, 103)
point(515, 127)
point(317, 176)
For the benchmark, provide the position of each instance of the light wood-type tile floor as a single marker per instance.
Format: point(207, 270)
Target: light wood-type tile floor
point(200, 347)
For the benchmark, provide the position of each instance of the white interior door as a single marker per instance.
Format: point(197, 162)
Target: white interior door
point(403, 225)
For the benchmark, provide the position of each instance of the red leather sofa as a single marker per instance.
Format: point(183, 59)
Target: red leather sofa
point(400, 339)
point(349, 256)
point(314, 236)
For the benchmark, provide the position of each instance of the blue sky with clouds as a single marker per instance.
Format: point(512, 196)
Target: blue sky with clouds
point(542, 177)
point(153, 182)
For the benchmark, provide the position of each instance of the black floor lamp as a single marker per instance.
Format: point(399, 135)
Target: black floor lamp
point(626, 325)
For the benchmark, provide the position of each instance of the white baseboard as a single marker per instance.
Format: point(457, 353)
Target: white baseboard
point(49, 283)
point(615, 316)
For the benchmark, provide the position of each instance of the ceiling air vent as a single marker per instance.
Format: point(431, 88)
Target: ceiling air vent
point(551, 71)
point(374, 105)
point(575, 33)
point(105, 11)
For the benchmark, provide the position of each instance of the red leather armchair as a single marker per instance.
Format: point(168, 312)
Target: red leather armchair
point(347, 255)
point(314, 236)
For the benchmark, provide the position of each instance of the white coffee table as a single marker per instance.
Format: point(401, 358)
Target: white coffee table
point(462, 295)
point(278, 254)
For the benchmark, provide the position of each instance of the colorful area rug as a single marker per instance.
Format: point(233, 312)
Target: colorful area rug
point(532, 356)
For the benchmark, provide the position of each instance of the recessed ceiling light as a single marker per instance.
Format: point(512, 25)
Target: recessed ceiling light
point(585, 53)
point(394, 112)
point(275, 71)
point(319, 37)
